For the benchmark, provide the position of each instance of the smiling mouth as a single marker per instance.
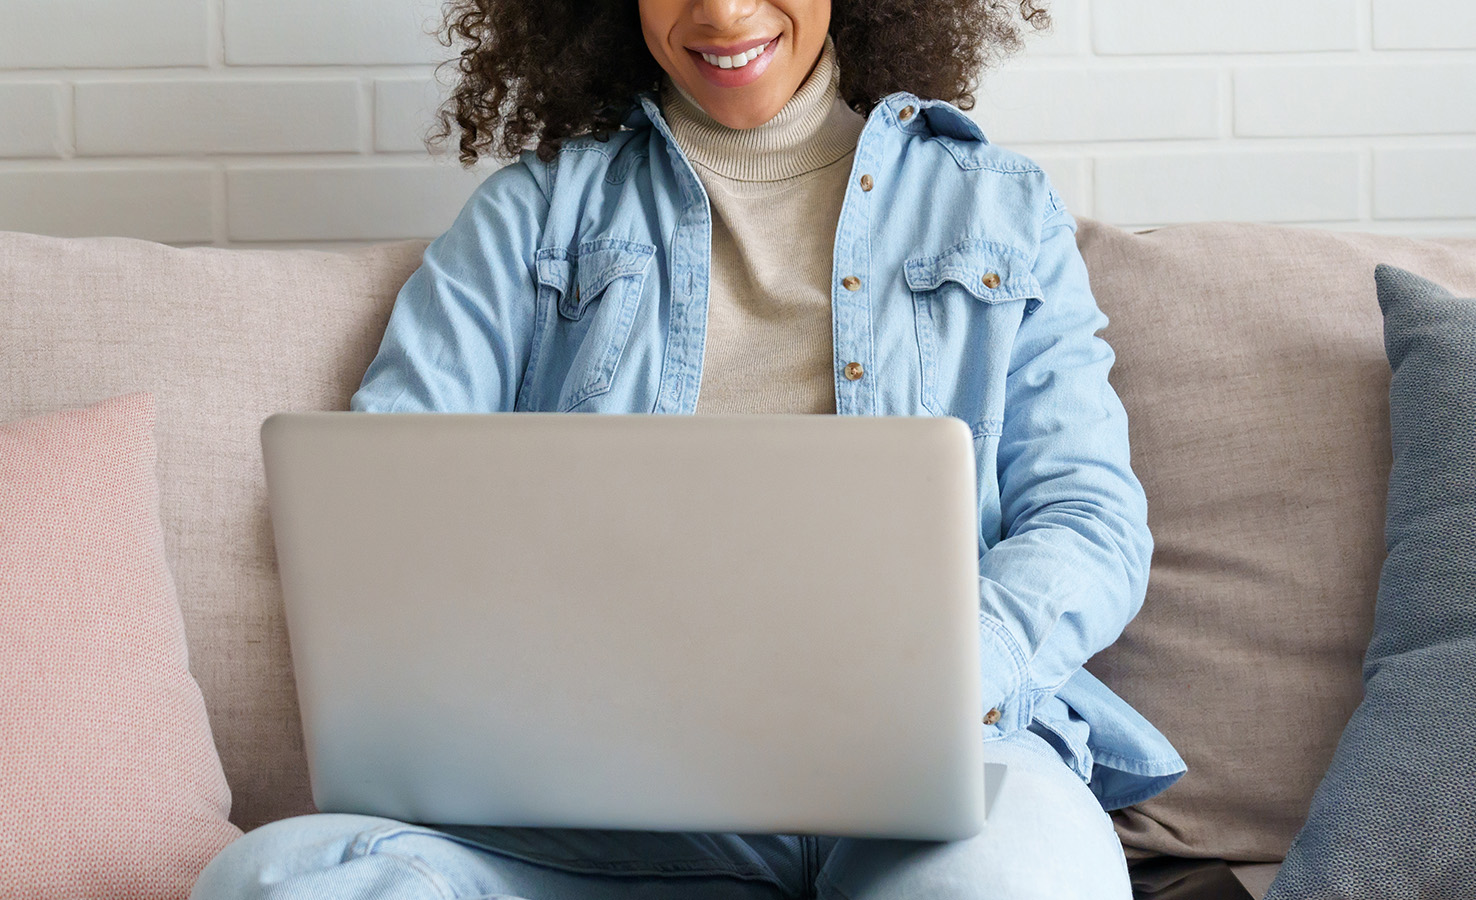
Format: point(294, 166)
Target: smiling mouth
point(742, 69)
point(736, 60)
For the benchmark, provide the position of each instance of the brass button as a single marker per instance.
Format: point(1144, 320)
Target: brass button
point(991, 280)
point(865, 182)
point(991, 717)
point(905, 114)
point(854, 371)
point(851, 283)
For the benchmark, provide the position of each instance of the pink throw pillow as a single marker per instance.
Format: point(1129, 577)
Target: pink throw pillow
point(110, 785)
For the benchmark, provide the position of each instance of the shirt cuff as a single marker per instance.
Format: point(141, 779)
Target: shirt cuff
point(1008, 702)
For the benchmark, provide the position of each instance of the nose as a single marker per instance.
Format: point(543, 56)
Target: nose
point(721, 15)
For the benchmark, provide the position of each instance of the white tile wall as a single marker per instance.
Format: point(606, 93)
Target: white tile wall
point(32, 117)
point(302, 121)
point(1067, 35)
point(1403, 188)
point(404, 111)
point(1235, 185)
point(86, 34)
point(1424, 24)
point(331, 32)
point(361, 202)
point(1066, 103)
point(1353, 100)
point(171, 204)
point(126, 118)
point(1245, 26)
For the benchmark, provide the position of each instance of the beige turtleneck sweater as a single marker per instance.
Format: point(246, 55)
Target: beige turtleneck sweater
point(775, 193)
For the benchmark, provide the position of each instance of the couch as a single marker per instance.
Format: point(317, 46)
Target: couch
point(1250, 359)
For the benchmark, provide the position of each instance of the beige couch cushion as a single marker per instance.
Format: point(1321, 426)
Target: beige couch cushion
point(222, 338)
point(1251, 363)
point(1249, 357)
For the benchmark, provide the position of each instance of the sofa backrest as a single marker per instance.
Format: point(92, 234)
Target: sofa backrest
point(222, 338)
point(1251, 362)
point(1249, 357)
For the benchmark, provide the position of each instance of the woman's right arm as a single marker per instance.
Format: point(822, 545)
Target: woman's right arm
point(459, 334)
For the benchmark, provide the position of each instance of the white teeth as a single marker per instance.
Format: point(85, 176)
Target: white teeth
point(735, 62)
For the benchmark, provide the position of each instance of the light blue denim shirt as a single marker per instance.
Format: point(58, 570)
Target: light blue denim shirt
point(581, 285)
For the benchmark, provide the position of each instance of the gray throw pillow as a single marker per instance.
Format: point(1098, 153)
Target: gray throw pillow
point(1395, 815)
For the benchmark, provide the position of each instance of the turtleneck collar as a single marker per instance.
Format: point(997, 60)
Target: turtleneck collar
point(814, 128)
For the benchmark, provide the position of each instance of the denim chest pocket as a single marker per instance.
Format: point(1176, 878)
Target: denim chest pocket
point(969, 301)
point(587, 303)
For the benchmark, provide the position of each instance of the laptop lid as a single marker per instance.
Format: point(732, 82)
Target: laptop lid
point(750, 623)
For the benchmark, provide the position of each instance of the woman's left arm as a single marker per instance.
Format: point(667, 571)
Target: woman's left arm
point(1071, 568)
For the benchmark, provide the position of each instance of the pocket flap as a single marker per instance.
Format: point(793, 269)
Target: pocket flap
point(983, 269)
point(598, 263)
point(551, 267)
point(602, 262)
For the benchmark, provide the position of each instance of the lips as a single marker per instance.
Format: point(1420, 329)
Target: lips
point(737, 77)
point(731, 49)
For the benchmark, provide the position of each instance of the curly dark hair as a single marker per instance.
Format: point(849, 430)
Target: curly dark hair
point(535, 73)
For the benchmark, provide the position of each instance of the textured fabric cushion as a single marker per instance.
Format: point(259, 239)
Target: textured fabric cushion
point(1250, 359)
point(1395, 817)
point(110, 786)
point(222, 339)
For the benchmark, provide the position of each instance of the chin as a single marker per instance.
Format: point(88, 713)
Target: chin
point(744, 121)
point(744, 116)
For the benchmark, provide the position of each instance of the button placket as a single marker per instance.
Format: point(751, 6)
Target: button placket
point(681, 370)
point(855, 313)
point(851, 300)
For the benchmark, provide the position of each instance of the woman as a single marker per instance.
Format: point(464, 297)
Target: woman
point(772, 206)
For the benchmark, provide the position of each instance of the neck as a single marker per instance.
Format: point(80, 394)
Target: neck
point(813, 129)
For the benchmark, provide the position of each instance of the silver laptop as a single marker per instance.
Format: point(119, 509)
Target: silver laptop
point(746, 623)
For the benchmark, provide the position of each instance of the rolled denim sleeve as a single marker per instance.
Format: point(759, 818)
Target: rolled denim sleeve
point(1071, 568)
point(459, 334)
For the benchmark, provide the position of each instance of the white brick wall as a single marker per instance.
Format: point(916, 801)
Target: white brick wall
point(94, 34)
point(1424, 24)
point(1349, 114)
point(301, 122)
point(1137, 27)
point(330, 32)
point(325, 202)
point(171, 117)
point(31, 118)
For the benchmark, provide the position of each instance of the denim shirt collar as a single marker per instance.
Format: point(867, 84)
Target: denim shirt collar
point(936, 117)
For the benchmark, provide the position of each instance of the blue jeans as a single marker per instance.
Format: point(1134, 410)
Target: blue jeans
point(1047, 837)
